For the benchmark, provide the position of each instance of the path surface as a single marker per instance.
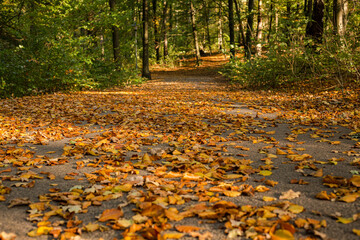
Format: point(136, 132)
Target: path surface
point(181, 156)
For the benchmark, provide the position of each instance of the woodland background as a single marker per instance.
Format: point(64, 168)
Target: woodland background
point(64, 45)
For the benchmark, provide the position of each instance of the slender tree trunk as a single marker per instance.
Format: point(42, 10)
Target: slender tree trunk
point(195, 33)
point(115, 35)
point(165, 29)
point(340, 10)
point(271, 15)
point(249, 28)
point(156, 31)
point(259, 30)
point(145, 67)
point(241, 28)
point(231, 28)
point(220, 35)
point(207, 21)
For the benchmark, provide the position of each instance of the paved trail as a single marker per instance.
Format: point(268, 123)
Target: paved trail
point(180, 150)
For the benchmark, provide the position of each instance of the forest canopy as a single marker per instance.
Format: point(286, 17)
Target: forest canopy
point(64, 45)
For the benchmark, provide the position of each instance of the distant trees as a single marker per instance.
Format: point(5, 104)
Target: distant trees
point(69, 45)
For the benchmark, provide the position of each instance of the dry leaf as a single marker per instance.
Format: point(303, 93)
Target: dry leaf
point(289, 195)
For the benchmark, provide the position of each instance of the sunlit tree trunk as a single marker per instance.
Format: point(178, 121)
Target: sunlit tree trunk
point(340, 11)
point(259, 30)
point(115, 35)
point(249, 28)
point(207, 22)
point(165, 28)
point(156, 31)
point(145, 60)
point(195, 33)
point(220, 34)
point(231, 28)
point(271, 17)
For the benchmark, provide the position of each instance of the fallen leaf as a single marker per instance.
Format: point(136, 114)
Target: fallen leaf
point(111, 214)
point(289, 195)
point(19, 202)
point(187, 229)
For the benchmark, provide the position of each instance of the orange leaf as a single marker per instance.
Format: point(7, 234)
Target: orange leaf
point(111, 214)
point(187, 229)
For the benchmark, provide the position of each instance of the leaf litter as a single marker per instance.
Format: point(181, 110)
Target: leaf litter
point(152, 159)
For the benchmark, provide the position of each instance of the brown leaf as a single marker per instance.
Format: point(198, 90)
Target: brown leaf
point(111, 214)
point(19, 202)
point(289, 195)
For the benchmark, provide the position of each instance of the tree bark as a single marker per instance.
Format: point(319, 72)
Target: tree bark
point(145, 60)
point(195, 33)
point(340, 11)
point(241, 28)
point(165, 29)
point(207, 22)
point(156, 31)
point(249, 28)
point(315, 26)
point(115, 35)
point(259, 30)
point(231, 28)
point(271, 15)
point(220, 35)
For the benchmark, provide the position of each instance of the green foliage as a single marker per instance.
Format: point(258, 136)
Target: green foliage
point(62, 46)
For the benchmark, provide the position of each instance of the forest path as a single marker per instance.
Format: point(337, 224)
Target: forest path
point(181, 156)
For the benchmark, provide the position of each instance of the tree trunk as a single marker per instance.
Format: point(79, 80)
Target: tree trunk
point(271, 15)
point(115, 35)
point(195, 33)
point(340, 10)
point(231, 28)
point(207, 22)
point(145, 60)
point(165, 29)
point(220, 35)
point(315, 26)
point(259, 30)
point(249, 28)
point(241, 29)
point(156, 31)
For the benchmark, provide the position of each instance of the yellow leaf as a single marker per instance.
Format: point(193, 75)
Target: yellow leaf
point(282, 234)
point(191, 177)
point(296, 209)
point(261, 188)
point(355, 180)
point(173, 214)
point(265, 173)
point(268, 199)
point(187, 229)
point(356, 231)
point(280, 152)
point(323, 195)
point(91, 227)
point(176, 152)
point(318, 173)
point(345, 220)
point(172, 235)
point(233, 176)
point(271, 183)
point(232, 193)
point(349, 198)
